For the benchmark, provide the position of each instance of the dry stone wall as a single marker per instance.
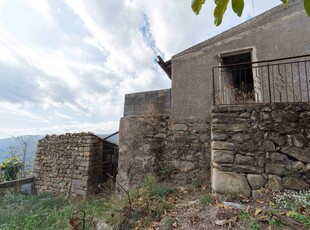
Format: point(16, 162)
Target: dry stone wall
point(187, 147)
point(151, 144)
point(260, 146)
point(68, 160)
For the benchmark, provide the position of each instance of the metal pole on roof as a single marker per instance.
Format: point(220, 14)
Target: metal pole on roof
point(113, 134)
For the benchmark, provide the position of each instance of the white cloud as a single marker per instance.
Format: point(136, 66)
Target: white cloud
point(98, 128)
point(72, 61)
point(20, 111)
point(41, 6)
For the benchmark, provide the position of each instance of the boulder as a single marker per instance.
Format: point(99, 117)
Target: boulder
point(183, 166)
point(223, 156)
point(230, 183)
point(277, 139)
point(256, 181)
point(219, 137)
point(297, 167)
point(277, 169)
point(297, 153)
point(308, 168)
point(274, 183)
point(179, 127)
point(294, 183)
point(222, 145)
point(244, 160)
point(299, 140)
point(240, 168)
point(259, 194)
point(278, 158)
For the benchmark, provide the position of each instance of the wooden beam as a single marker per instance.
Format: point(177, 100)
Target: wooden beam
point(14, 183)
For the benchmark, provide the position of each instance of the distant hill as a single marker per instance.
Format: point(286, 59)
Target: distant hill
point(6, 143)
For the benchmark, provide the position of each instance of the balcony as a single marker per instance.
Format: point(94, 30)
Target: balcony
point(268, 81)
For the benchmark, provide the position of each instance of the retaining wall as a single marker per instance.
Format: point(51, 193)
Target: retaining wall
point(260, 146)
point(151, 144)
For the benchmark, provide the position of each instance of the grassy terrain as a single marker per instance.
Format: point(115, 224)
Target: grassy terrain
point(178, 204)
point(20, 211)
point(45, 211)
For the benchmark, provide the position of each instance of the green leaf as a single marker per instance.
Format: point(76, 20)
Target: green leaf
point(238, 6)
point(219, 11)
point(307, 6)
point(196, 5)
point(285, 2)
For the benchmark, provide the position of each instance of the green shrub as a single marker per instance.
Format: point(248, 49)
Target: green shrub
point(10, 168)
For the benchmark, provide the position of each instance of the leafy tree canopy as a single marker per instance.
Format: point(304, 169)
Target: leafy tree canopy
point(237, 6)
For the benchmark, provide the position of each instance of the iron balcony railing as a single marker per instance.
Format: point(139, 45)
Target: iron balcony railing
point(278, 80)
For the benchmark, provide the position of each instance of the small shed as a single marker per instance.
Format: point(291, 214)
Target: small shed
point(74, 164)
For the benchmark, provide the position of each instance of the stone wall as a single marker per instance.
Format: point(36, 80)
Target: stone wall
point(67, 159)
point(150, 143)
point(260, 146)
point(187, 147)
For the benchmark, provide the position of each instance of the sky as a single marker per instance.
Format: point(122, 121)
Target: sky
point(65, 65)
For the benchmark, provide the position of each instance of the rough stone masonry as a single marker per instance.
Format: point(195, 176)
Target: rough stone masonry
point(260, 146)
point(69, 162)
point(150, 144)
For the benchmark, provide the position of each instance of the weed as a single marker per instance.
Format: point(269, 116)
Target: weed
point(305, 220)
point(277, 223)
point(169, 223)
point(163, 191)
point(186, 181)
point(198, 182)
point(244, 215)
point(206, 199)
point(254, 225)
point(45, 211)
point(166, 171)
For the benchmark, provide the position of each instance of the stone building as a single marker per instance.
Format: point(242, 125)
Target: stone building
point(263, 67)
point(73, 163)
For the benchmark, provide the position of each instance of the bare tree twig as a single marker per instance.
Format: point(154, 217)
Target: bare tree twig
point(129, 199)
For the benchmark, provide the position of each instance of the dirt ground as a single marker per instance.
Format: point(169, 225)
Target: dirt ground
point(195, 208)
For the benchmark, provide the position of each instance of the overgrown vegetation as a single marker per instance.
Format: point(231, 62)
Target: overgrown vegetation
point(45, 211)
point(155, 204)
point(146, 205)
point(290, 211)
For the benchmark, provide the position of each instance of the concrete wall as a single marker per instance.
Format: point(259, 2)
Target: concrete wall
point(139, 103)
point(259, 147)
point(70, 158)
point(277, 33)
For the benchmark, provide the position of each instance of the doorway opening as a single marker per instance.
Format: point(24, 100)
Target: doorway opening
point(238, 69)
